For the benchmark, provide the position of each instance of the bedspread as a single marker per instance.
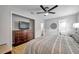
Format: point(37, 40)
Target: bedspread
point(52, 45)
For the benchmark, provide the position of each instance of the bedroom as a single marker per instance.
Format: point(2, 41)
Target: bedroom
point(55, 33)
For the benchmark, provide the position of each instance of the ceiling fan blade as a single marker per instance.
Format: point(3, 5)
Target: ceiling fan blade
point(52, 12)
point(40, 12)
point(53, 7)
point(42, 7)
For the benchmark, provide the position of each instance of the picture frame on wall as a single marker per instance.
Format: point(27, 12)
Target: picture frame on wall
point(23, 25)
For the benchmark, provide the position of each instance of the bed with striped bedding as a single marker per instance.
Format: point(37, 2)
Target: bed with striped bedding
point(60, 44)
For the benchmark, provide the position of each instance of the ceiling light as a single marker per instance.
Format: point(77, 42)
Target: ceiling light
point(46, 14)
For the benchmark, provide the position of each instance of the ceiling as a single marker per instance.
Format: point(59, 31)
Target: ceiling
point(61, 10)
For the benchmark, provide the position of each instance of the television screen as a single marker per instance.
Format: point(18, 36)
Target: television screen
point(23, 25)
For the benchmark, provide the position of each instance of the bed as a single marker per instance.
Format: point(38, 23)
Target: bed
point(56, 44)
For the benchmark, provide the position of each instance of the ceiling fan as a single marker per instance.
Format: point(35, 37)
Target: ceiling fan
point(47, 10)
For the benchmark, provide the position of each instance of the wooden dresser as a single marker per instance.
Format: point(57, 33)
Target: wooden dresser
point(21, 36)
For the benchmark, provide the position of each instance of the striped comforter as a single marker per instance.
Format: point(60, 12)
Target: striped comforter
point(52, 45)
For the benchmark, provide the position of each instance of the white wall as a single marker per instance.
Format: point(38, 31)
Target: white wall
point(69, 26)
point(69, 20)
point(6, 23)
point(48, 29)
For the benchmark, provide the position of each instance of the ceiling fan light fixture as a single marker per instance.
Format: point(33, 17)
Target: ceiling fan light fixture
point(46, 14)
point(46, 10)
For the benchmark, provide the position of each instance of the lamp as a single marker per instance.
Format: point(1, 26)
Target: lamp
point(76, 25)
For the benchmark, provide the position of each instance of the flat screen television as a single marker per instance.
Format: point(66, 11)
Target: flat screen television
point(23, 25)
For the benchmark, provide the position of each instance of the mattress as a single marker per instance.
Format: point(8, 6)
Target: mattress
point(60, 44)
